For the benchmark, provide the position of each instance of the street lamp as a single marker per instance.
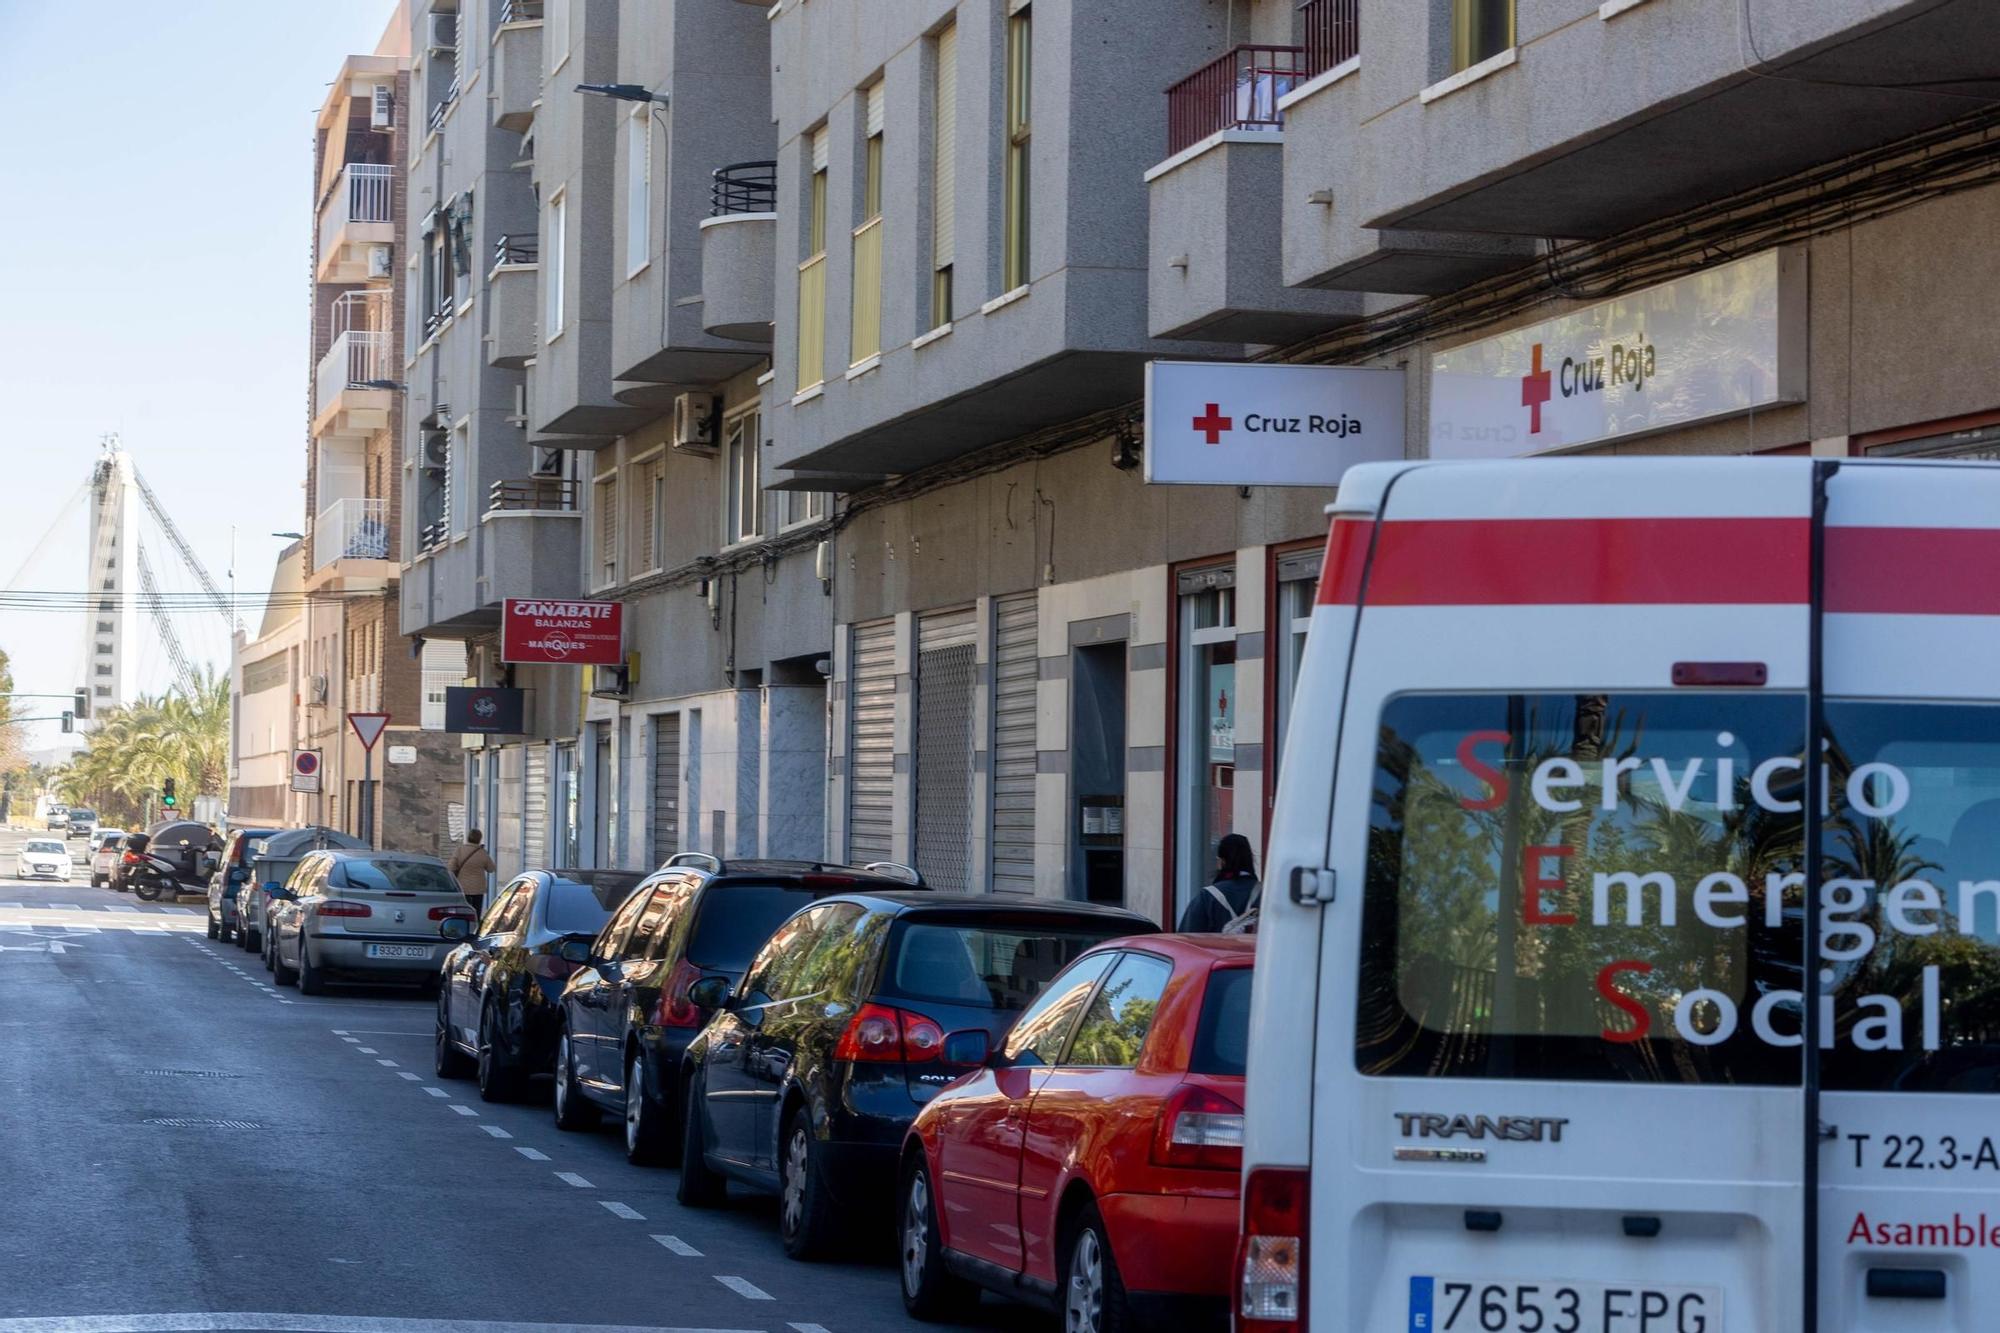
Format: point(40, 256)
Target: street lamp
point(291, 536)
point(623, 92)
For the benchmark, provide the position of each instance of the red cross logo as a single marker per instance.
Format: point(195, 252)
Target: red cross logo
point(1214, 423)
point(1534, 392)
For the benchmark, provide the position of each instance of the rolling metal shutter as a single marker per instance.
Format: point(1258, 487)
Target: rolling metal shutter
point(871, 744)
point(666, 786)
point(1015, 670)
point(946, 676)
point(535, 809)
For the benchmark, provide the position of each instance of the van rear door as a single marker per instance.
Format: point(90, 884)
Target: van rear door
point(1558, 1082)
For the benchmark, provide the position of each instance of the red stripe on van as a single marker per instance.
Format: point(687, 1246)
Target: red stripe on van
point(1913, 571)
point(1346, 558)
point(1576, 562)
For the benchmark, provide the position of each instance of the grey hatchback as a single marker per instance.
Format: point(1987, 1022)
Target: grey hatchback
point(372, 915)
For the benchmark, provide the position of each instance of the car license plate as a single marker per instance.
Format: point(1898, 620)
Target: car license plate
point(1480, 1305)
point(399, 951)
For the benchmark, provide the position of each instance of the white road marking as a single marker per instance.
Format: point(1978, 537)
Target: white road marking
point(496, 1131)
point(809, 1328)
point(355, 1040)
point(625, 1211)
point(679, 1246)
point(532, 1154)
point(437, 1092)
point(743, 1287)
point(414, 1078)
point(178, 911)
point(308, 1323)
point(387, 1064)
point(571, 1177)
point(365, 1050)
point(340, 1032)
point(462, 1109)
point(18, 907)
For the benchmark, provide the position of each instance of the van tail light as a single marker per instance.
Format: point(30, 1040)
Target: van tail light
point(1271, 1251)
point(879, 1033)
point(341, 907)
point(675, 1009)
point(1199, 1127)
point(445, 913)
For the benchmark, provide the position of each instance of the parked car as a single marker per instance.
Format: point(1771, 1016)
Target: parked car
point(362, 914)
point(807, 1078)
point(57, 818)
point(109, 843)
point(43, 858)
point(225, 887)
point(1113, 1113)
point(272, 860)
point(99, 834)
point(626, 1016)
point(498, 1014)
point(82, 821)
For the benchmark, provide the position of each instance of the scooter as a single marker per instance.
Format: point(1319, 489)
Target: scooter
point(152, 877)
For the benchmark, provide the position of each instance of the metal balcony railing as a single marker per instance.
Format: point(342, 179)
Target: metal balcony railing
point(1332, 33)
point(519, 493)
point(433, 535)
point(444, 103)
point(744, 187)
point(520, 11)
point(517, 250)
point(363, 192)
point(1238, 90)
point(356, 359)
point(351, 530)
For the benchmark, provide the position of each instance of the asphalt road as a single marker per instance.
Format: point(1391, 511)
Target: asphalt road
point(188, 1146)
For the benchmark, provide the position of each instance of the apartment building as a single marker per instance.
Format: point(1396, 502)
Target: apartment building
point(265, 672)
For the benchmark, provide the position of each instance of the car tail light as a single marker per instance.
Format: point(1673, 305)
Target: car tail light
point(446, 913)
point(132, 858)
point(1271, 1252)
point(820, 880)
point(675, 1009)
point(879, 1033)
point(340, 907)
point(1199, 1127)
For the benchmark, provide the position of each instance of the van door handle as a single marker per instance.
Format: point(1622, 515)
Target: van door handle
point(1312, 885)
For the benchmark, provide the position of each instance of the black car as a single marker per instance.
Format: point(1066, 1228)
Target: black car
point(497, 1009)
point(818, 1060)
point(231, 873)
point(627, 1018)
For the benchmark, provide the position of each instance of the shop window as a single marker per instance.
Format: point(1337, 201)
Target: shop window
point(1207, 724)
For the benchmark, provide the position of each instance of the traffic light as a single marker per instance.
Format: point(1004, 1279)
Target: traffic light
point(167, 797)
point(69, 721)
point(82, 709)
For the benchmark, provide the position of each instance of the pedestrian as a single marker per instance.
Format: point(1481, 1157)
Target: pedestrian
point(470, 866)
point(1229, 904)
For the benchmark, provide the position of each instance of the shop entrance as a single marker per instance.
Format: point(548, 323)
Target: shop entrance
point(1097, 773)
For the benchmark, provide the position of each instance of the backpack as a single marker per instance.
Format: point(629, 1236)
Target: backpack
point(1239, 923)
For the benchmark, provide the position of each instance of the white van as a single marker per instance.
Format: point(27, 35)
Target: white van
point(1548, 1036)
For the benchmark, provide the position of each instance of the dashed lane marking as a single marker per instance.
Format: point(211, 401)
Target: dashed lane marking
point(412, 1077)
point(679, 1246)
point(365, 1050)
point(386, 1064)
point(572, 1178)
point(629, 1213)
point(437, 1092)
point(743, 1287)
point(355, 1040)
point(496, 1131)
point(462, 1109)
point(808, 1328)
point(340, 1032)
point(532, 1154)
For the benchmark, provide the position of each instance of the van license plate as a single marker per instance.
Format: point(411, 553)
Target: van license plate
point(1479, 1305)
point(399, 951)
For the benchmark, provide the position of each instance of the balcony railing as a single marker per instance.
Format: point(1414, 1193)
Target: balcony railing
point(351, 530)
point(1333, 33)
point(517, 250)
point(744, 187)
point(363, 192)
point(1236, 91)
point(520, 11)
point(356, 359)
point(543, 493)
point(434, 535)
point(444, 105)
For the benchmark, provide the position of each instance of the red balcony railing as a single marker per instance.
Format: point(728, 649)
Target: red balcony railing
point(1333, 33)
point(1236, 91)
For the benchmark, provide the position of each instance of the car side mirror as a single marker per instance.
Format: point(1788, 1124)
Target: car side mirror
point(574, 951)
point(709, 993)
point(454, 928)
point(970, 1047)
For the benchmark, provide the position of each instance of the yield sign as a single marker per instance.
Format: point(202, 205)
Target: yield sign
point(368, 726)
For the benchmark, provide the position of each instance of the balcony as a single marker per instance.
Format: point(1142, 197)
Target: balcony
point(739, 252)
point(352, 529)
point(351, 393)
point(1214, 223)
point(357, 212)
point(1332, 32)
point(510, 298)
point(516, 68)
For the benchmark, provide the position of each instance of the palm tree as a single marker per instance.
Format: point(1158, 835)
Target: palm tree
point(135, 748)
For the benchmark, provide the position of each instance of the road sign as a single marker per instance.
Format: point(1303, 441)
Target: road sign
point(305, 770)
point(368, 726)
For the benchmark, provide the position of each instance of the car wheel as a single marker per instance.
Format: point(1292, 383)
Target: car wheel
point(499, 1081)
point(312, 980)
point(930, 1291)
point(573, 1110)
point(1093, 1294)
point(214, 931)
point(287, 976)
point(449, 1061)
point(648, 1137)
point(701, 1185)
point(805, 1214)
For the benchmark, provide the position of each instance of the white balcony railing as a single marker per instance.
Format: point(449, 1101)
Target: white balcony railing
point(356, 358)
point(363, 192)
point(351, 530)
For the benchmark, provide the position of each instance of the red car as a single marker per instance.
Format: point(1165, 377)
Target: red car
point(1090, 1166)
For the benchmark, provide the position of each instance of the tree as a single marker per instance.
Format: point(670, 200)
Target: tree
point(135, 748)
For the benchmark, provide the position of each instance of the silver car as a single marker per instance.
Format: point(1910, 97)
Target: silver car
point(363, 915)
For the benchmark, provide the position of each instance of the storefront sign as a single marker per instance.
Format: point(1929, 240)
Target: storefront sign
point(1229, 424)
point(1718, 343)
point(562, 633)
point(483, 710)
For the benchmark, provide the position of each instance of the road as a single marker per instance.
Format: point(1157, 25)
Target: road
point(185, 1139)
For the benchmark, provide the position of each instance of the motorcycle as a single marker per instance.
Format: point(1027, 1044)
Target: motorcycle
point(151, 876)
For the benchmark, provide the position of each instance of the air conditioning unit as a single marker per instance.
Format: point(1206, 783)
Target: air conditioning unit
point(697, 422)
point(381, 261)
point(316, 689)
point(382, 110)
point(443, 34)
point(437, 450)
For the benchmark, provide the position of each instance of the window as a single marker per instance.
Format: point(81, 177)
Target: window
point(103, 627)
point(611, 941)
point(1114, 1028)
point(733, 919)
point(103, 691)
point(398, 877)
point(648, 494)
point(1020, 76)
point(988, 964)
point(1222, 1041)
point(1208, 707)
point(805, 507)
point(511, 915)
point(865, 327)
point(1480, 30)
point(103, 668)
point(743, 492)
point(555, 32)
point(556, 250)
point(650, 919)
point(778, 963)
point(1298, 583)
point(1041, 1032)
point(605, 499)
point(812, 270)
point(638, 187)
point(944, 170)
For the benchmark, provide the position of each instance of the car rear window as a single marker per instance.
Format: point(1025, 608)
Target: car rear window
point(1222, 1038)
point(112, 842)
point(83, 814)
point(570, 908)
point(732, 921)
point(987, 966)
point(399, 877)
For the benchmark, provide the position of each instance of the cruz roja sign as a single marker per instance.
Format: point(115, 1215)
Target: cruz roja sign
point(1230, 424)
point(1722, 342)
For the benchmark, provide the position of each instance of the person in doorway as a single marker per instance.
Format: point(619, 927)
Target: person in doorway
point(1230, 903)
point(470, 865)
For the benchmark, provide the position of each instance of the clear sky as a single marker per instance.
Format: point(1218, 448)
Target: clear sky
point(156, 173)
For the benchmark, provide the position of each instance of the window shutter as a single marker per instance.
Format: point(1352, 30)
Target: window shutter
point(944, 129)
point(872, 102)
point(819, 148)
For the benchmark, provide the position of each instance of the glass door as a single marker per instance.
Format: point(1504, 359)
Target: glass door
point(1207, 724)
